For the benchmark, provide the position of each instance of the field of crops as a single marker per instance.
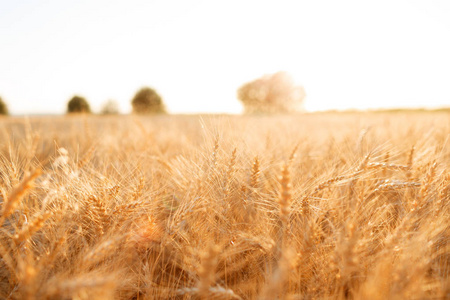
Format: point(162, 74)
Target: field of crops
point(337, 206)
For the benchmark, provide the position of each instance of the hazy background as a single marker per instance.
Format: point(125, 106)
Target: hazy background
point(347, 54)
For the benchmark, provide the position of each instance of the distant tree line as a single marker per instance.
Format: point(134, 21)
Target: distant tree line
point(274, 93)
point(146, 101)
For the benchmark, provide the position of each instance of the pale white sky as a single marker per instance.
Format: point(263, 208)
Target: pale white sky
point(347, 54)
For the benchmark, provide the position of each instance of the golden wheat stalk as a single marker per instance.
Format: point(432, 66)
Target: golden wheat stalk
point(207, 271)
point(254, 177)
point(31, 228)
point(17, 194)
point(216, 292)
point(285, 198)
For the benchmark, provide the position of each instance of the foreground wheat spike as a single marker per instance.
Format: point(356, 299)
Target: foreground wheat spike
point(389, 185)
point(8, 261)
point(139, 189)
point(66, 289)
point(293, 154)
point(229, 174)
point(17, 194)
point(386, 162)
point(444, 193)
point(102, 249)
point(410, 162)
point(99, 212)
point(254, 178)
point(214, 153)
point(85, 159)
point(231, 165)
point(30, 228)
point(364, 163)
point(428, 182)
point(285, 198)
point(328, 183)
point(216, 292)
point(386, 166)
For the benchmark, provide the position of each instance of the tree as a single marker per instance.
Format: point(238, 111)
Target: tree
point(3, 108)
point(78, 105)
point(110, 108)
point(275, 93)
point(147, 101)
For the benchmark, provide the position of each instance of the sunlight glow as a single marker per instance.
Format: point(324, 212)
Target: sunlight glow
point(346, 54)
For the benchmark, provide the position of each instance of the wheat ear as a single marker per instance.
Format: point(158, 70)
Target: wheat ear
point(17, 194)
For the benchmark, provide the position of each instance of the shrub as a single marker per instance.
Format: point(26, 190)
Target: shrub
point(110, 108)
point(3, 107)
point(78, 105)
point(274, 93)
point(147, 101)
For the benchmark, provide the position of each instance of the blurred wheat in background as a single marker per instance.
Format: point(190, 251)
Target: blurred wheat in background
point(342, 206)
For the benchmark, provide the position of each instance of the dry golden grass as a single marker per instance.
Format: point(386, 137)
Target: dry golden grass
point(350, 206)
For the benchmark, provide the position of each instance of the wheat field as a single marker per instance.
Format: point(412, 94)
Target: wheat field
point(315, 206)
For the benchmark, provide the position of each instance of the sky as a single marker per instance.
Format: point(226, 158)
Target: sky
point(346, 54)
